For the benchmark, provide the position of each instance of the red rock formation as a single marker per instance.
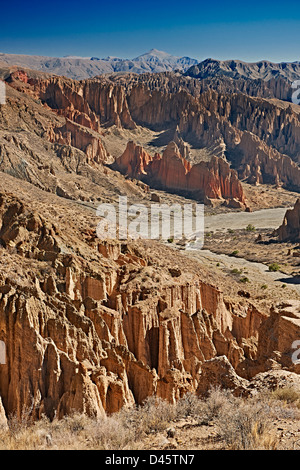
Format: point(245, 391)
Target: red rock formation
point(217, 179)
point(88, 103)
point(215, 117)
point(134, 160)
point(103, 329)
point(109, 324)
point(214, 179)
point(18, 75)
point(170, 170)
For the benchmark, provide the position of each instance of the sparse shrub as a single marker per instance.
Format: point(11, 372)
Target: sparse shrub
point(264, 286)
point(234, 253)
point(244, 279)
point(246, 426)
point(189, 405)
point(250, 228)
point(155, 414)
point(235, 271)
point(217, 401)
point(274, 267)
point(287, 394)
point(110, 434)
point(170, 240)
point(230, 230)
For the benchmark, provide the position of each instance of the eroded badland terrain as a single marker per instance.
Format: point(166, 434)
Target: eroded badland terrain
point(142, 343)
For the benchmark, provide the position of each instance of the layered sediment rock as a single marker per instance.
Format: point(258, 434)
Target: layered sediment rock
point(214, 179)
point(82, 138)
point(88, 103)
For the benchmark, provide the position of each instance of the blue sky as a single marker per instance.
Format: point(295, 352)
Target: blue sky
point(221, 30)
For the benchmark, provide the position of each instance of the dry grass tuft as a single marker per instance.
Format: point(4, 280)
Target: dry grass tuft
point(240, 423)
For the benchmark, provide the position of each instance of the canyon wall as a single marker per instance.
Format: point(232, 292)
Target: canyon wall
point(203, 116)
point(214, 179)
point(107, 324)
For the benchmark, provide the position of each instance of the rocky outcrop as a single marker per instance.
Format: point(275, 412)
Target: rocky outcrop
point(82, 138)
point(290, 228)
point(218, 372)
point(89, 103)
point(134, 161)
point(214, 179)
point(258, 163)
point(92, 325)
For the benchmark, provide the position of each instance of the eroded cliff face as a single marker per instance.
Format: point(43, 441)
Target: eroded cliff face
point(75, 135)
point(261, 137)
point(214, 179)
point(290, 227)
point(93, 326)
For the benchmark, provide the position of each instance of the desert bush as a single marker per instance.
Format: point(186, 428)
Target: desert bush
point(246, 425)
point(274, 267)
point(236, 271)
point(286, 394)
point(234, 253)
point(189, 405)
point(155, 414)
point(217, 401)
point(110, 433)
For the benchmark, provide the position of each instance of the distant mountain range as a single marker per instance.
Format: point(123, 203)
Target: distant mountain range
point(85, 67)
point(236, 69)
point(155, 61)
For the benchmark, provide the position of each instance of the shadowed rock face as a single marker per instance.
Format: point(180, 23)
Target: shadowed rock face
point(290, 228)
point(237, 69)
point(171, 171)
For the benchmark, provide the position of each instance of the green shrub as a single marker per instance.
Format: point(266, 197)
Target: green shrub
point(236, 271)
point(274, 267)
point(234, 253)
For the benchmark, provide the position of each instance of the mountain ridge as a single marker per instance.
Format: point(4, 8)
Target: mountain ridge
point(234, 68)
point(80, 68)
